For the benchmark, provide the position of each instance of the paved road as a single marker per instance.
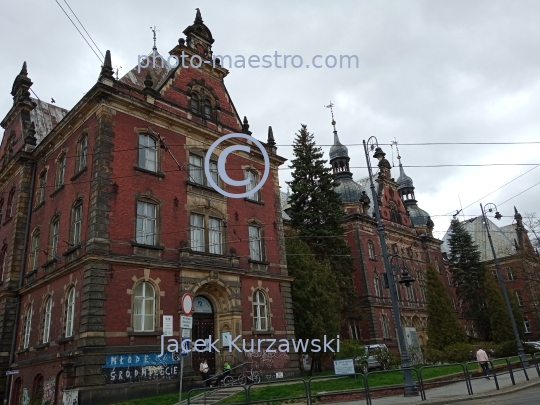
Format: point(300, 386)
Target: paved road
point(530, 396)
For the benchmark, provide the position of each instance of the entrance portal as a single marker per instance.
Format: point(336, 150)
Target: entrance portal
point(203, 328)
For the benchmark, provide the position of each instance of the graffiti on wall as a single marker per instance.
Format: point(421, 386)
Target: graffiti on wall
point(263, 360)
point(48, 390)
point(70, 397)
point(122, 368)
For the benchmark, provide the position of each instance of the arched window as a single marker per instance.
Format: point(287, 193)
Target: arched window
point(17, 391)
point(207, 109)
point(385, 326)
point(253, 178)
point(34, 251)
point(377, 284)
point(27, 326)
point(260, 311)
point(11, 200)
point(195, 103)
point(148, 153)
point(60, 170)
point(82, 151)
point(144, 307)
point(47, 313)
point(371, 250)
point(70, 312)
point(76, 223)
point(42, 184)
point(3, 260)
point(37, 390)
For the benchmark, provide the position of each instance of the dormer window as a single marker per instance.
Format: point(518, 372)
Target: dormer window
point(207, 110)
point(195, 104)
point(202, 103)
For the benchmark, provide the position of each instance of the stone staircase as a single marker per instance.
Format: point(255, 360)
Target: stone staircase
point(212, 397)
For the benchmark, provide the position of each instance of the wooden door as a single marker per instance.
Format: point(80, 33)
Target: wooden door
point(203, 328)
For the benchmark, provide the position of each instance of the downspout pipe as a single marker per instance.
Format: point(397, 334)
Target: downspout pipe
point(21, 282)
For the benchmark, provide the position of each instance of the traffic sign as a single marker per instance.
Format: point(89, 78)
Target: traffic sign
point(184, 353)
point(11, 372)
point(187, 304)
point(186, 322)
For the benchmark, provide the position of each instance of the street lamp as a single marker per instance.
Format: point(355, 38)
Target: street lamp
point(521, 353)
point(410, 385)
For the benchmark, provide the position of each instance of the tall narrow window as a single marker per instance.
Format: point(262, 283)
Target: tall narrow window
point(377, 285)
point(27, 325)
point(82, 151)
point(60, 170)
point(196, 169)
point(55, 235)
point(10, 202)
point(371, 250)
point(260, 311)
point(3, 260)
point(354, 331)
point(422, 285)
point(195, 103)
point(214, 172)
point(410, 294)
point(215, 236)
point(47, 312)
point(34, 251)
point(448, 279)
point(148, 153)
point(77, 224)
point(519, 298)
point(385, 326)
point(510, 274)
point(146, 223)
point(70, 312)
point(196, 223)
point(207, 110)
point(527, 324)
point(437, 266)
point(144, 308)
point(42, 184)
point(1, 209)
point(255, 248)
point(253, 181)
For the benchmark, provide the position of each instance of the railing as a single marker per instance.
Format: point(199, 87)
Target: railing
point(225, 372)
point(364, 391)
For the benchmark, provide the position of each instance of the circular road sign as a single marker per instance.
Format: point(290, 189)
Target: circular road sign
point(187, 304)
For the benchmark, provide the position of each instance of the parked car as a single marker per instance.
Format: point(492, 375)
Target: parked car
point(536, 345)
point(369, 362)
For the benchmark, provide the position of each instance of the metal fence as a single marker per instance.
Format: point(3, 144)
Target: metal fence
point(365, 392)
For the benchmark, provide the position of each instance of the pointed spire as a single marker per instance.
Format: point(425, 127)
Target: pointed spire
point(198, 17)
point(148, 82)
point(245, 126)
point(24, 72)
point(107, 69)
point(271, 141)
point(21, 86)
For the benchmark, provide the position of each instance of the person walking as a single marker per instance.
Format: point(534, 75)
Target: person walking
point(482, 358)
point(203, 369)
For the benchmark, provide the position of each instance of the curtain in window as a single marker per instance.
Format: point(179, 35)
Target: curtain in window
point(255, 243)
point(144, 308)
point(146, 223)
point(196, 169)
point(214, 236)
point(147, 153)
point(196, 223)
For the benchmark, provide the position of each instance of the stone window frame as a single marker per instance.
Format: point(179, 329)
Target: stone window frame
point(269, 315)
point(377, 284)
point(61, 165)
point(10, 203)
point(53, 250)
point(371, 250)
point(207, 214)
point(26, 324)
point(48, 298)
point(148, 198)
point(510, 274)
point(41, 187)
point(527, 325)
point(158, 311)
point(78, 203)
point(354, 331)
point(205, 96)
point(255, 222)
point(201, 153)
point(69, 288)
point(33, 263)
point(81, 163)
point(258, 194)
point(3, 260)
point(149, 132)
point(385, 325)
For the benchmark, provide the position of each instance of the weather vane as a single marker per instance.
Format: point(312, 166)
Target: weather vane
point(331, 110)
point(117, 69)
point(154, 31)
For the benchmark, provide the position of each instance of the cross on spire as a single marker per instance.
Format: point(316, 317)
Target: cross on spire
point(331, 105)
point(154, 30)
point(395, 142)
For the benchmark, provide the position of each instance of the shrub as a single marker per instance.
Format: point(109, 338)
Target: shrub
point(352, 349)
point(460, 353)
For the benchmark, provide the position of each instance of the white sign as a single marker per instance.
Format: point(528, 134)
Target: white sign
point(279, 374)
point(186, 322)
point(167, 325)
point(187, 304)
point(344, 367)
point(225, 339)
point(11, 372)
point(186, 333)
point(70, 397)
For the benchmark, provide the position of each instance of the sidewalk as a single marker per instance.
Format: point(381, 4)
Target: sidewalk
point(457, 392)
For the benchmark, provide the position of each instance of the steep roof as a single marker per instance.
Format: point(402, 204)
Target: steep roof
point(45, 117)
point(159, 71)
point(503, 238)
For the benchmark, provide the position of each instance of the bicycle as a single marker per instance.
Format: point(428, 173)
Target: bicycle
point(242, 379)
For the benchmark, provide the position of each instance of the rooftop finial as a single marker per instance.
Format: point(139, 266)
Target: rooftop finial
point(154, 30)
point(271, 141)
point(107, 69)
point(395, 142)
point(331, 105)
point(198, 17)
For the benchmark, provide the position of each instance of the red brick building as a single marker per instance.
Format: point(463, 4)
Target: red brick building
point(103, 232)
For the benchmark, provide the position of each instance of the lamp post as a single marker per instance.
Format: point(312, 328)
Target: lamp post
point(521, 353)
point(410, 385)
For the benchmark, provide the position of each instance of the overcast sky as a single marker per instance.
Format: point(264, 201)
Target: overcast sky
point(429, 71)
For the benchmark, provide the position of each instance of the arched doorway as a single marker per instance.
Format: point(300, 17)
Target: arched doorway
point(203, 328)
point(17, 392)
point(58, 388)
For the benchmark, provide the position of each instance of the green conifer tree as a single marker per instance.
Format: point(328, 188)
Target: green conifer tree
point(468, 273)
point(317, 214)
point(518, 313)
point(501, 328)
point(443, 327)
